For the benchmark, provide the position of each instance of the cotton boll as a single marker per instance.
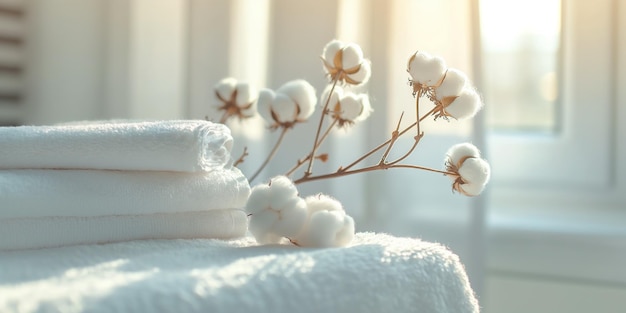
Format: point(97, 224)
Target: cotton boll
point(349, 108)
point(322, 203)
point(328, 229)
point(352, 107)
point(284, 108)
point(264, 104)
point(235, 99)
point(303, 94)
point(466, 105)
point(293, 102)
point(461, 151)
point(366, 107)
point(282, 186)
point(330, 50)
point(249, 110)
point(225, 87)
point(425, 69)
point(307, 103)
point(259, 199)
point(246, 99)
point(276, 211)
point(322, 229)
point(470, 173)
point(452, 84)
point(261, 224)
point(281, 191)
point(352, 56)
point(334, 98)
point(292, 217)
point(267, 238)
point(475, 172)
point(363, 75)
point(246, 94)
point(290, 209)
point(328, 224)
point(471, 190)
point(345, 63)
point(346, 233)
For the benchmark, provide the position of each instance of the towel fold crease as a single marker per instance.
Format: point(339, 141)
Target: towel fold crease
point(40, 193)
point(30, 233)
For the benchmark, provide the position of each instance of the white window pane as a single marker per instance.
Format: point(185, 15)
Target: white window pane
point(520, 46)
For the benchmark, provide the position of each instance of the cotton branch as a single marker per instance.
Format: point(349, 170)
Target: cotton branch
point(241, 158)
point(317, 142)
point(382, 164)
point(270, 156)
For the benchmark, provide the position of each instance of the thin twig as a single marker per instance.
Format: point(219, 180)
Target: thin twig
point(394, 137)
point(319, 126)
point(242, 157)
point(300, 162)
point(224, 117)
point(297, 166)
point(272, 153)
point(382, 145)
point(417, 167)
point(368, 169)
point(406, 155)
point(417, 111)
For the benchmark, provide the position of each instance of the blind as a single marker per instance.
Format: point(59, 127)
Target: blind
point(11, 62)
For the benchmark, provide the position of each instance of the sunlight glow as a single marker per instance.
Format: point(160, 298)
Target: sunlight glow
point(520, 45)
point(504, 23)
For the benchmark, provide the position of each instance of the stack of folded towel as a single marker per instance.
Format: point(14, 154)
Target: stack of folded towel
point(103, 182)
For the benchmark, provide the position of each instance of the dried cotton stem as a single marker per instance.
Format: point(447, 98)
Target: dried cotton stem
point(319, 126)
point(271, 154)
point(301, 162)
point(384, 144)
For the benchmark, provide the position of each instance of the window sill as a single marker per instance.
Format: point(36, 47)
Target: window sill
point(567, 244)
point(588, 246)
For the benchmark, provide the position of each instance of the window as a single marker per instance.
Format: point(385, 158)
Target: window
point(521, 65)
point(574, 163)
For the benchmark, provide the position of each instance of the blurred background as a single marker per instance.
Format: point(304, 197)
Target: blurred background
point(549, 234)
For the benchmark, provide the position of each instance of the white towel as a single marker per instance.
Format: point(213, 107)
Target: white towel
point(377, 273)
point(40, 193)
point(28, 233)
point(184, 145)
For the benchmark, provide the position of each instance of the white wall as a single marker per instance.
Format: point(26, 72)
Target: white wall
point(62, 41)
point(105, 59)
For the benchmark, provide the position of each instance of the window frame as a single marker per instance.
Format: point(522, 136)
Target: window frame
point(577, 166)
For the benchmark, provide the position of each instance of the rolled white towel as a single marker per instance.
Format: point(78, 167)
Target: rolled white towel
point(41, 193)
point(179, 145)
point(46, 232)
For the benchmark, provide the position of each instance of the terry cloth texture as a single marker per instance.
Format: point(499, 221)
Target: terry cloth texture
point(375, 273)
point(178, 145)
